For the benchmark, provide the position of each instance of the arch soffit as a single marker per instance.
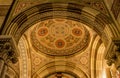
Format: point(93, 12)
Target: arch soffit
point(20, 23)
point(64, 66)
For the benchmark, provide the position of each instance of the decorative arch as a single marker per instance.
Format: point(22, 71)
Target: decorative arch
point(60, 66)
point(96, 20)
point(99, 22)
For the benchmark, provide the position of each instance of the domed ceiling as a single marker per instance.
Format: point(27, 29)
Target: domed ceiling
point(59, 37)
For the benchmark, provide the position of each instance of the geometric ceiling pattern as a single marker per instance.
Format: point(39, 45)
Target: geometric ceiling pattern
point(44, 42)
point(47, 67)
point(58, 37)
point(73, 46)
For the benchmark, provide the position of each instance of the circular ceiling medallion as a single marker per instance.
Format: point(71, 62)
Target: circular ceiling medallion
point(59, 43)
point(42, 32)
point(59, 30)
point(59, 37)
point(76, 32)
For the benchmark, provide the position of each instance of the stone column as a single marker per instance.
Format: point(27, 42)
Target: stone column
point(8, 53)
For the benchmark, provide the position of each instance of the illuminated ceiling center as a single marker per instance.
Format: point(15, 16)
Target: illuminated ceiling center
point(59, 37)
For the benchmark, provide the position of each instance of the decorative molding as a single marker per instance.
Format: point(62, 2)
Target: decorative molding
point(60, 37)
point(29, 17)
point(97, 5)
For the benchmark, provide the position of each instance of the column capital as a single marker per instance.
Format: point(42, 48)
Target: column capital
point(113, 53)
point(8, 50)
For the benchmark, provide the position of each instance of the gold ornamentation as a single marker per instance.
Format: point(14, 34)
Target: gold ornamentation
point(60, 43)
point(59, 37)
point(76, 32)
point(42, 32)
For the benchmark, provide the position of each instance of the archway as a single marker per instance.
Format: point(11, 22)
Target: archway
point(93, 19)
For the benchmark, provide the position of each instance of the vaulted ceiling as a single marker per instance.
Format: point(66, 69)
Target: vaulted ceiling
point(60, 38)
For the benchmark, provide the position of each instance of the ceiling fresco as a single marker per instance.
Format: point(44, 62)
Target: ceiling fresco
point(59, 37)
point(55, 40)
